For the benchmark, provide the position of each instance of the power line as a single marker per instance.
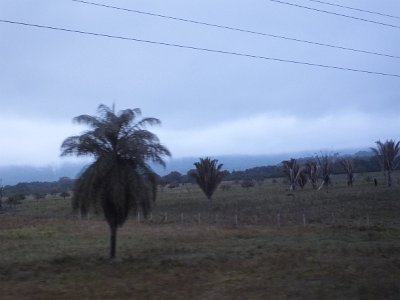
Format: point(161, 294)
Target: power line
point(336, 14)
point(237, 29)
point(198, 48)
point(356, 9)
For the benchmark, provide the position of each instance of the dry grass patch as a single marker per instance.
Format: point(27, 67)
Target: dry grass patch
point(66, 259)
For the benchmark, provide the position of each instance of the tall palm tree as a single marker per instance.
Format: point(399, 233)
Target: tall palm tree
point(119, 180)
point(388, 154)
point(208, 176)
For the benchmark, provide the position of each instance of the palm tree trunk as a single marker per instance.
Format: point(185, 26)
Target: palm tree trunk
point(210, 202)
point(113, 241)
point(389, 178)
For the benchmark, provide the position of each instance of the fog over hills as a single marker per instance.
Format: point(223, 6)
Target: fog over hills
point(11, 175)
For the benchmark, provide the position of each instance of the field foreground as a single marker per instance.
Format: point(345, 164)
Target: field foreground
point(66, 259)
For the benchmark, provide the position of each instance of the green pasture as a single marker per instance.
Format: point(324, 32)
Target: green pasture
point(338, 244)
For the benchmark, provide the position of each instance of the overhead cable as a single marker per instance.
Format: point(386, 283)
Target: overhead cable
point(198, 48)
point(237, 29)
point(336, 14)
point(356, 9)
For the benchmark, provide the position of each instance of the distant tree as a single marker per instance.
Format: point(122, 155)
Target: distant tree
point(292, 170)
point(325, 163)
point(388, 154)
point(347, 165)
point(208, 176)
point(173, 185)
point(65, 194)
point(38, 195)
point(247, 184)
point(12, 202)
point(15, 200)
point(312, 171)
point(225, 187)
point(302, 179)
point(173, 177)
point(120, 179)
point(1, 193)
point(65, 184)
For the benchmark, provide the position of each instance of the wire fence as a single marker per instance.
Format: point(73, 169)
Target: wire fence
point(268, 218)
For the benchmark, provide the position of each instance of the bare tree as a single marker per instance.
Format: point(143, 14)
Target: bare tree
point(325, 163)
point(292, 170)
point(388, 154)
point(347, 165)
point(312, 171)
point(302, 179)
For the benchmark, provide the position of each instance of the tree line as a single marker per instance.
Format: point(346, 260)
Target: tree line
point(361, 164)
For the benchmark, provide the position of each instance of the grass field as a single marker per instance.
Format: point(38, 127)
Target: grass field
point(349, 247)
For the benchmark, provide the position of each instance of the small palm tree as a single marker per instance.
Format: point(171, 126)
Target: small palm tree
point(119, 180)
point(388, 154)
point(208, 176)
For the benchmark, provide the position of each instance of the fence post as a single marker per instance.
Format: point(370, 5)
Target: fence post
point(304, 220)
point(279, 220)
point(236, 220)
point(198, 218)
point(138, 217)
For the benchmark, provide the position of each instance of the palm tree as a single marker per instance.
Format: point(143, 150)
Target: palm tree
point(293, 172)
point(388, 154)
point(208, 176)
point(119, 180)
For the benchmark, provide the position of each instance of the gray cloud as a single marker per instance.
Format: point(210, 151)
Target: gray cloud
point(236, 104)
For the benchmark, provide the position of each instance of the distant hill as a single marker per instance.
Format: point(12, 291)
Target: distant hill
point(11, 175)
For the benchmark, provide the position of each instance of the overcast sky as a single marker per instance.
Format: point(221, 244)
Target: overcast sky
point(209, 104)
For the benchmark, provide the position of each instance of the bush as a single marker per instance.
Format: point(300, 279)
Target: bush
point(247, 184)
